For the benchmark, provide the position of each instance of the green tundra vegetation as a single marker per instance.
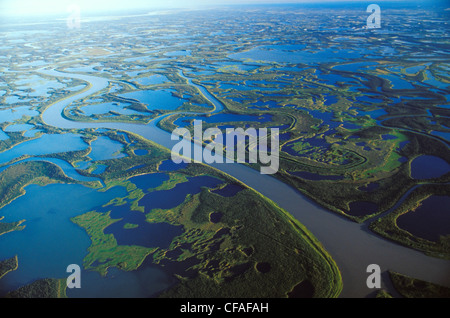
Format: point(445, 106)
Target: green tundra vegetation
point(104, 248)
point(387, 225)
point(16, 177)
point(8, 265)
point(409, 287)
point(357, 157)
point(246, 253)
point(43, 288)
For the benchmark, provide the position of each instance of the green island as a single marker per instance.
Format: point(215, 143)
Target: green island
point(44, 288)
point(8, 265)
point(409, 287)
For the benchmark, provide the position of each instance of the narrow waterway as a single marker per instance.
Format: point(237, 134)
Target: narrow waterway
point(350, 244)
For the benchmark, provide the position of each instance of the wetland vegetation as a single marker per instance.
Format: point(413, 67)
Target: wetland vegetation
point(364, 125)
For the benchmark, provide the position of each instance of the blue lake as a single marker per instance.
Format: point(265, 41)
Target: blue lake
point(229, 190)
point(362, 208)
point(67, 168)
point(295, 54)
point(431, 80)
point(149, 181)
point(354, 67)
point(18, 128)
point(389, 137)
point(105, 108)
point(429, 167)
point(46, 144)
point(3, 136)
point(141, 152)
point(430, 220)
point(31, 133)
point(39, 86)
point(100, 169)
point(442, 134)
point(50, 241)
point(152, 80)
point(160, 99)
point(104, 148)
point(397, 82)
point(145, 234)
point(414, 69)
point(10, 115)
point(16, 99)
point(169, 165)
point(171, 198)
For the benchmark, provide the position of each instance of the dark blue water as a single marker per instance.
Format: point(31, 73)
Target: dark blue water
point(11, 115)
point(19, 127)
point(50, 241)
point(430, 220)
point(295, 54)
point(169, 165)
point(3, 136)
point(229, 190)
point(350, 126)
point(161, 99)
point(152, 80)
point(388, 137)
point(403, 144)
point(330, 100)
point(149, 181)
point(44, 145)
point(397, 82)
point(354, 67)
point(429, 167)
point(104, 148)
point(145, 234)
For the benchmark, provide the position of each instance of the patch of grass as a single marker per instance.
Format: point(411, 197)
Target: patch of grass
point(9, 227)
point(208, 256)
point(415, 288)
point(44, 288)
point(15, 178)
point(104, 251)
point(8, 265)
point(387, 225)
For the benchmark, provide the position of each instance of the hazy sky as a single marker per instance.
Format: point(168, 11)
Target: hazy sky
point(39, 7)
